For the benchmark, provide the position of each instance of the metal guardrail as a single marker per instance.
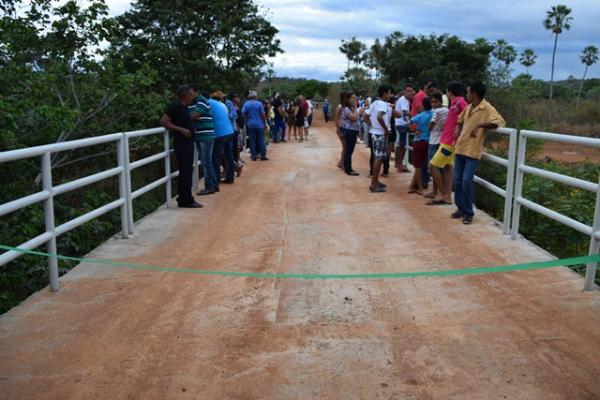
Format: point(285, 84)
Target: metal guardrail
point(519, 201)
point(512, 195)
point(510, 175)
point(49, 190)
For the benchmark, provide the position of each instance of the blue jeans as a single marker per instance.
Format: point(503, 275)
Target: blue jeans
point(350, 136)
point(256, 136)
point(205, 150)
point(279, 130)
point(464, 192)
point(224, 147)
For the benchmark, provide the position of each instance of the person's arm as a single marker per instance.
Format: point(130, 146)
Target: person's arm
point(353, 115)
point(337, 117)
point(166, 121)
point(381, 121)
point(494, 121)
point(264, 120)
point(484, 126)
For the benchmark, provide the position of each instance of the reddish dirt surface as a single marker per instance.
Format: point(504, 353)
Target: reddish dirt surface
point(115, 333)
point(570, 153)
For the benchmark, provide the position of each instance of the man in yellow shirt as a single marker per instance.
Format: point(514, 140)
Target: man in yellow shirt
point(479, 117)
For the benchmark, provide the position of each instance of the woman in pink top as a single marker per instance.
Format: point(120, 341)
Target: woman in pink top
point(444, 157)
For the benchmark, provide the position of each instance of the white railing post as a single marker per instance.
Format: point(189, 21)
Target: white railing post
point(510, 180)
point(49, 221)
point(518, 191)
point(123, 188)
point(167, 167)
point(590, 272)
point(128, 183)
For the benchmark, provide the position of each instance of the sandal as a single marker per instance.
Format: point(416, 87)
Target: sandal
point(436, 203)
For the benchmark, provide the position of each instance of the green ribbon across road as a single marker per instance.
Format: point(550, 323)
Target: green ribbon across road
point(269, 275)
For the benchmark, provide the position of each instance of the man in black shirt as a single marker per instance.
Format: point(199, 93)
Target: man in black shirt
point(178, 121)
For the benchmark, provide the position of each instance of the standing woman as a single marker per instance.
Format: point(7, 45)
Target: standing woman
point(338, 127)
point(350, 122)
point(300, 117)
point(291, 118)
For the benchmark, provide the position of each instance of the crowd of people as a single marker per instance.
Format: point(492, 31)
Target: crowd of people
point(448, 135)
point(220, 127)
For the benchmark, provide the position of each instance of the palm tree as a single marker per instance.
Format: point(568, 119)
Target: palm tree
point(505, 54)
point(557, 20)
point(589, 57)
point(527, 58)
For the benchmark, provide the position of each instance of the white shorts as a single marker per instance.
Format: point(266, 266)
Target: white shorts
point(306, 123)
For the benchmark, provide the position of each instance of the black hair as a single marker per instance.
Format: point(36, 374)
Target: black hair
point(478, 88)
point(455, 88)
point(343, 94)
point(409, 85)
point(393, 99)
point(427, 104)
point(232, 96)
point(195, 88)
point(384, 89)
point(437, 94)
point(183, 91)
point(347, 97)
point(433, 84)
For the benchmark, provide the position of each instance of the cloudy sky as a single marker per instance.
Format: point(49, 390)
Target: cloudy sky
point(310, 31)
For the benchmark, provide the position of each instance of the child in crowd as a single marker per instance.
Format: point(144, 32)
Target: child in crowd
point(420, 145)
point(440, 113)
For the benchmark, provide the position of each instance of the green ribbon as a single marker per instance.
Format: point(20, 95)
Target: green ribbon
point(270, 275)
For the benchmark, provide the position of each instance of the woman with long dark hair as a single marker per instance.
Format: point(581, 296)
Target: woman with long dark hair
point(350, 125)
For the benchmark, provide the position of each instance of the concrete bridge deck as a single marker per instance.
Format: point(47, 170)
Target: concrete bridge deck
point(130, 334)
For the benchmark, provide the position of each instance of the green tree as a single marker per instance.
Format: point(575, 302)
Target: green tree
point(589, 57)
point(192, 41)
point(527, 58)
point(557, 20)
point(505, 54)
point(353, 49)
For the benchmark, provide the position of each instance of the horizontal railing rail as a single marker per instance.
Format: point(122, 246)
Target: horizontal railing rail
point(512, 194)
point(50, 191)
point(592, 231)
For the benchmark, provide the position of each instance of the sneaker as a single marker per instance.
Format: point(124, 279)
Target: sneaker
point(468, 220)
point(457, 214)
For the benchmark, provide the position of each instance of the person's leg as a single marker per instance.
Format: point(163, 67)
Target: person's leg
point(350, 145)
point(205, 151)
point(447, 178)
point(262, 146)
point(431, 150)
point(438, 182)
point(185, 161)
point(346, 150)
point(342, 137)
point(229, 161)
point(372, 155)
point(252, 138)
point(425, 174)
point(459, 167)
point(380, 149)
point(282, 128)
point(468, 189)
point(217, 157)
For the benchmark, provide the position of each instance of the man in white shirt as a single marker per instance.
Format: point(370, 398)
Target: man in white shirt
point(380, 115)
point(401, 115)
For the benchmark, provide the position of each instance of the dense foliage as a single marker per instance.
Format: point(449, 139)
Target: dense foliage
point(68, 70)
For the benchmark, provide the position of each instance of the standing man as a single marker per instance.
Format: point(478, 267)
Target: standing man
point(178, 121)
point(417, 102)
point(326, 110)
point(402, 115)
point(256, 125)
point(224, 136)
point(205, 140)
point(303, 109)
point(279, 120)
point(232, 103)
point(380, 116)
point(475, 120)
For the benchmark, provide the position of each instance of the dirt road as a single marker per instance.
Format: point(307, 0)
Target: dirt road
point(128, 334)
